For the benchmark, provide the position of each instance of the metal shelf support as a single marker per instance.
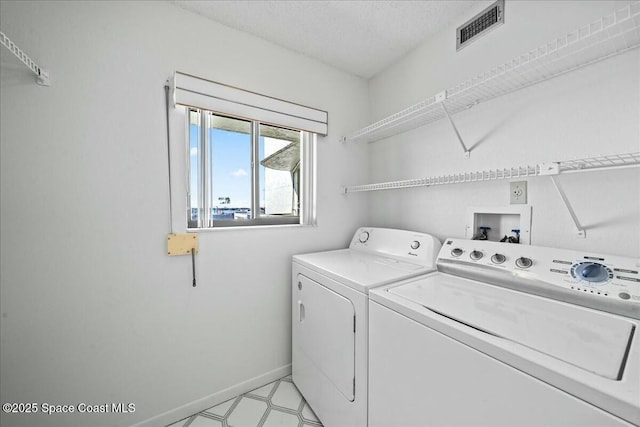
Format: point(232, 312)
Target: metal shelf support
point(582, 234)
point(440, 98)
point(42, 76)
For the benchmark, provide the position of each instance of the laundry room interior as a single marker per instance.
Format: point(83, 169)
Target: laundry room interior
point(133, 294)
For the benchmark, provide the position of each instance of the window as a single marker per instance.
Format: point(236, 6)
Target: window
point(251, 156)
point(243, 172)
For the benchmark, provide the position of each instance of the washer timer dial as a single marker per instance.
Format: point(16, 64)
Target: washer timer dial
point(591, 272)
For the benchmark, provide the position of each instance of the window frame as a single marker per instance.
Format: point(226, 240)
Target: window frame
point(306, 188)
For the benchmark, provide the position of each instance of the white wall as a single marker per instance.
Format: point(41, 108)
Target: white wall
point(92, 308)
point(593, 111)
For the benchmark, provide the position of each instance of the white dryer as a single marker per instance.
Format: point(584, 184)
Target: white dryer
point(330, 315)
point(508, 335)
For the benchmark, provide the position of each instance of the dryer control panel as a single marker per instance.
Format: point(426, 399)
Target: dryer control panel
point(409, 246)
point(605, 282)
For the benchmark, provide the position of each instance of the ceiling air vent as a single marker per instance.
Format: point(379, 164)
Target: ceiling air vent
point(480, 24)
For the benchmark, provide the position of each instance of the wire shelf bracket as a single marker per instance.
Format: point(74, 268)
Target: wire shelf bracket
point(42, 76)
point(582, 234)
point(440, 97)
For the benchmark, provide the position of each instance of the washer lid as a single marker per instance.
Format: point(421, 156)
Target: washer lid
point(586, 338)
point(360, 270)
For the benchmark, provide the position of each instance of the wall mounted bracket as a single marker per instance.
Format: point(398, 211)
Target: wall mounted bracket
point(42, 76)
point(440, 97)
point(582, 233)
point(182, 244)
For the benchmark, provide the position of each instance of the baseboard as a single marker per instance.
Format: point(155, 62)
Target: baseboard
point(214, 399)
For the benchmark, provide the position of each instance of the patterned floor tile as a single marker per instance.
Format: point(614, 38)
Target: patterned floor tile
point(248, 412)
point(263, 391)
point(278, 404)
point(308, 414)
point(287, 396)
point(221, 409)
point(278, 418)
point(200, 421)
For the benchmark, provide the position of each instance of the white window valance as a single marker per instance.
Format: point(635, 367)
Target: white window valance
point(205, 94)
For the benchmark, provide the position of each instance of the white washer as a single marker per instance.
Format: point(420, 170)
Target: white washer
point(330, 315)
point(508, 335)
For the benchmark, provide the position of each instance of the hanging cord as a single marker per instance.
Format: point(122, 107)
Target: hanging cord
point(166, 98)
point(193, 265)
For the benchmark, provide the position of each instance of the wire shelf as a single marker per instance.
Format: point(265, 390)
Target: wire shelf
point(604, 162)
point(611, 35)
point(42, 76)
point(566, 166)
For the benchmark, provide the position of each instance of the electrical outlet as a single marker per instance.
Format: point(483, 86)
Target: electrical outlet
point(518, 193)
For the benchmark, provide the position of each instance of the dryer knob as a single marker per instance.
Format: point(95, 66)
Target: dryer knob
point(415, 244)
point(364, 236)
point(456, 252)
point(476, 255)
point(524, 262)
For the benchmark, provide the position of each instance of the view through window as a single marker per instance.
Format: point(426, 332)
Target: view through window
point(242, 172)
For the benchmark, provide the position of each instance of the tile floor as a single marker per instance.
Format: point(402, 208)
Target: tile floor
point(277, 404)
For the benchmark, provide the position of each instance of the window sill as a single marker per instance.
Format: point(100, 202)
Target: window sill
point(249, 227)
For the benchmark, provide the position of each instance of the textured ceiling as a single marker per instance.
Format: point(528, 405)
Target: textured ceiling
point(360, 37)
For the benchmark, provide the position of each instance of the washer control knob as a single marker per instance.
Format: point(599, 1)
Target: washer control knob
point(592, 272)
point(498, 258)
point(364, 236)
point(476, 255)
point(415, 244)
point(456, 252)
point(524, 262)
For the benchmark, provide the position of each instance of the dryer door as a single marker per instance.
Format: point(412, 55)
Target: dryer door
point(323, 330)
